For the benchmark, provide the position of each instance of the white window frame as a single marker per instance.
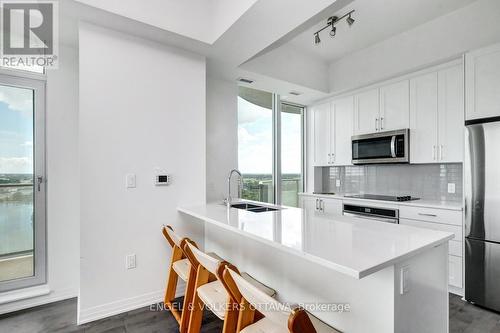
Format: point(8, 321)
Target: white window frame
point(37, 83)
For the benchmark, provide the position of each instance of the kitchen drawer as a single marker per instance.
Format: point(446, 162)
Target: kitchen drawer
point(455, 271)
point(457, 230)
point(445, 216)
point(455, 248)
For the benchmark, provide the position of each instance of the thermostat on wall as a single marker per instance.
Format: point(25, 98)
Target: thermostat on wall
point(162, 179)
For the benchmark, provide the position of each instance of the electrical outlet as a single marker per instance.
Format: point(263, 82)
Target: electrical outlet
point(130, 261)
point(130, 180)
point(337, 182)
point(451, 188)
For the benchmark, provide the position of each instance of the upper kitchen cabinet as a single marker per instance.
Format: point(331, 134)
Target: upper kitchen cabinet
point(366, 112)
point(322, 117)
point(451, 114)
point(383, 109)
point(395, 106)
point(343, 130)
point(437, 116)
point(482, 72)
point(423, 118)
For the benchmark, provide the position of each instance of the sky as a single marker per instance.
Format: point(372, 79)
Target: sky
point(16, 130)
point(255, 140)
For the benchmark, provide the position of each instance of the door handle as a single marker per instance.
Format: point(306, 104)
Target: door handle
point(321, 206)
point(317, 201)
point(425, 214)
point(382, 123)
point(39, 181)
point(393, 146)
point(376, 124)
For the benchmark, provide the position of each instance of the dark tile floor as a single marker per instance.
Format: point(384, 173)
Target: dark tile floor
point(61, 318)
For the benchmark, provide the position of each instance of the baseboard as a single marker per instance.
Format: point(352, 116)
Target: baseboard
point(53, 296)
point(124, 305)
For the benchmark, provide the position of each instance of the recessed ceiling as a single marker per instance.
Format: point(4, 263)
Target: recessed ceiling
point(202, 20)
point(376, 20)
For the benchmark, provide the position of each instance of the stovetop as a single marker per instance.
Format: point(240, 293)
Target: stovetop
point(382, 197)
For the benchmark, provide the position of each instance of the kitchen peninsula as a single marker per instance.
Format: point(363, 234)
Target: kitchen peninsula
point(394, 277)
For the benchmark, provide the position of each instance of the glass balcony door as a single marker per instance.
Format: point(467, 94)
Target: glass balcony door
point(22, 190)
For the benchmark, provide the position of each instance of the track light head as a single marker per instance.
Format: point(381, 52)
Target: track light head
point(350, 20)
point(317, 40)
point(333, 32)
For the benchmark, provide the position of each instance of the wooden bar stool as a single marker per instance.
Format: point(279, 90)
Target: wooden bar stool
point(278, 318)
point(180, 267)
point(210, 290)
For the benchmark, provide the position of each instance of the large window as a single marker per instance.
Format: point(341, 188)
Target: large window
point(270, 147)
point(22, 190)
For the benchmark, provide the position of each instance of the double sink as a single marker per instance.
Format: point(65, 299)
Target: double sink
point(253, 208)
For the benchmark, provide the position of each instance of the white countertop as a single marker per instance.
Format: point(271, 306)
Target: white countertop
point(353, 246)
point(449, 205)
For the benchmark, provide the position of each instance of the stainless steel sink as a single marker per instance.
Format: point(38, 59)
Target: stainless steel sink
point(253, 208)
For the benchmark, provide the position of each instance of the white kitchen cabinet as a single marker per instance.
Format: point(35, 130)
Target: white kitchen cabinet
point(366, 113)
point(455, 271)
point(482, 72)
point(343, 130)
point(321, 129)
point(437, 117)
point(395, 106)
point(423, 118)
point(322, 205)
point(451, 122)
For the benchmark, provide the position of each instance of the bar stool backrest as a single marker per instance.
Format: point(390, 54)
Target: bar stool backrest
point(268, 306)
point(171, 236)
point(209, 263)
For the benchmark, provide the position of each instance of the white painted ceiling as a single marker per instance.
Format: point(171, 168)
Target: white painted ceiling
point(376, 20)
point(202, 20)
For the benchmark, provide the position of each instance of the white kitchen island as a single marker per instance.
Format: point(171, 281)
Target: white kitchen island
point(322, 261)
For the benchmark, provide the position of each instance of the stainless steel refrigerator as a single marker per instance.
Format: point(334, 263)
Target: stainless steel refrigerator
point(482, 213)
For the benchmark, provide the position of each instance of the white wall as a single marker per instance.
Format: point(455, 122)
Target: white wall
point(62, 189)
point(142, 106)
point(468, 28)
point(222, 135)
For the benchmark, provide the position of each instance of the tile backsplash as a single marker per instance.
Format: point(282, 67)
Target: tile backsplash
point(426, 181)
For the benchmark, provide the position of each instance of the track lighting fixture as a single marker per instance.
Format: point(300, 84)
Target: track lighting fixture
point(350, 20)
point(317, 40)
point(331, 22)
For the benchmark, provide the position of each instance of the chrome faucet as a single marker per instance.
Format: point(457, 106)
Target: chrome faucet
point(229, 199)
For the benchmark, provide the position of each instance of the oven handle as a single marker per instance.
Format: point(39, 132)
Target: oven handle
point(393, 146)
point(372, 217)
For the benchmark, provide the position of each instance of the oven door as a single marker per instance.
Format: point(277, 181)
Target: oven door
point(386, 147)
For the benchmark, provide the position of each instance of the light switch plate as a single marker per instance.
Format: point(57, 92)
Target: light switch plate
point(451, 188)
point(130, 261)
point(130, 180)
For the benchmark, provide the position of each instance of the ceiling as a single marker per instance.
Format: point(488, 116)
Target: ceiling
point(202, 20)
point(376, 20)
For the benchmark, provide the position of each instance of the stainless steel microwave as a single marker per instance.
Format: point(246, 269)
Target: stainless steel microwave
point(382, 147)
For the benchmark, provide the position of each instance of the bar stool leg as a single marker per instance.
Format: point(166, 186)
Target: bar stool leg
point(188, 301)
point(231, 317)
point(172, 283)
point(196, 316)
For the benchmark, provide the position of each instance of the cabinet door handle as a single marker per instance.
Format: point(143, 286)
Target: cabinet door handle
point(441, 152)
point(321, 206)
point(382, 123)
point(425, 214)
point(317, 202)
point(376, 124)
